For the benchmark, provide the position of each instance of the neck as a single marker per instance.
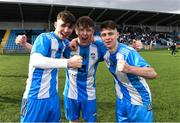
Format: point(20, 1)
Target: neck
point(113, 49)
point(58, 36)
point(83, 43)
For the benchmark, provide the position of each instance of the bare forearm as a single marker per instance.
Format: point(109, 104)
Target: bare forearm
point(146, 72)
point(27, 46)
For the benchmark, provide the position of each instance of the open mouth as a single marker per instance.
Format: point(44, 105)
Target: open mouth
point(64, 35)
point(108, 42)
point(84, 38)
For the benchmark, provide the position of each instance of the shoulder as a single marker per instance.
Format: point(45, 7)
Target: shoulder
point(44, 36)
point(125, 49)
point(47, 34)
point(98, 43)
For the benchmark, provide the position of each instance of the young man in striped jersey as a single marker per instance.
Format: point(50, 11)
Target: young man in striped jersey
point(40, 100)
point(80, 88)
point(133, 102)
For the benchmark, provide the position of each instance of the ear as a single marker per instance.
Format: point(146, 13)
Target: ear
point(55, 24)
point(93, 31)
point(117, 33)
point(76, 31)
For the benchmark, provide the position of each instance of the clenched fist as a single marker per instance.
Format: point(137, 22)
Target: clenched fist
point(21, 40)
point(75, 61)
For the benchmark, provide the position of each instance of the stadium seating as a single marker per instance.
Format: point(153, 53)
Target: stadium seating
point(11, 46)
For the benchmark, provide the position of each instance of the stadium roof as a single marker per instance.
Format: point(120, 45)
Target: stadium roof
point(37, 12)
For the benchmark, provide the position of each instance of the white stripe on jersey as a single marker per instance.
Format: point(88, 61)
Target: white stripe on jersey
point(118, 89)
point(57, 81)
point(45, 82)
point(143, 81)
point(53, 55)
point(106, 59)
point(54, 47)
point(72, 92)
point(93, 57)
point(91, 91)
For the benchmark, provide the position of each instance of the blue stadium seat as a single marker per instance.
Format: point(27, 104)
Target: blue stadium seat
point(11, 46)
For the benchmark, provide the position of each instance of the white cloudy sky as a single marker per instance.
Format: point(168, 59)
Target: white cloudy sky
point(170, 6)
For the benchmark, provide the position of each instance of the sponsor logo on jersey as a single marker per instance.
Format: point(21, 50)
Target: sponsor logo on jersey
point(149, 107)
point(93, 55)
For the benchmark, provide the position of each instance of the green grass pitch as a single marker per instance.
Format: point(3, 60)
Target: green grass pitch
point(165, 88)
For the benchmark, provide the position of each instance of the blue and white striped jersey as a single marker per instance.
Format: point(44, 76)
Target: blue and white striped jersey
point(130, 87)
point(80, 83)
point(43, 83)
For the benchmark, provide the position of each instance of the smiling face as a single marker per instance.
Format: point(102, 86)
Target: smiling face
point(85, 30)
point(109, 37)
point(84, 35)
point(63, 30)
point(64, 24)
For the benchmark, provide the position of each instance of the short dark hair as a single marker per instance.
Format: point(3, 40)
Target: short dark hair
point(85, 22)
point(67, 17)
point(109, 24)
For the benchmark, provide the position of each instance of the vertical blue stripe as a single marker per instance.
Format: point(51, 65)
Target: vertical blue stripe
point(82, 74)
point(53, 83)
point(36, 83)
point(66, 88)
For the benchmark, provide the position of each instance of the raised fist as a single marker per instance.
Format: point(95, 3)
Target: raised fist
point(75, 61)
point(21, 40)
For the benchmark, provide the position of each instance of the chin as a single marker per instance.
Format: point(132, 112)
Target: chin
point(84, 44)
point(62, 37)
point(109, 47)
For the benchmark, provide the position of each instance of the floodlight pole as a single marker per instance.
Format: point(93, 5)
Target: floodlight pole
point(49, 25)
point(22, 16)
point(22, 24)
point(156, 27)
point(49, 17)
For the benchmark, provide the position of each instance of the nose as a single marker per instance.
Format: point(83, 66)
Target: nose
point(84, 32)
point(66, 29)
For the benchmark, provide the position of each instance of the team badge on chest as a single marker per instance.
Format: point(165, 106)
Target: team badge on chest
point(93, 55)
